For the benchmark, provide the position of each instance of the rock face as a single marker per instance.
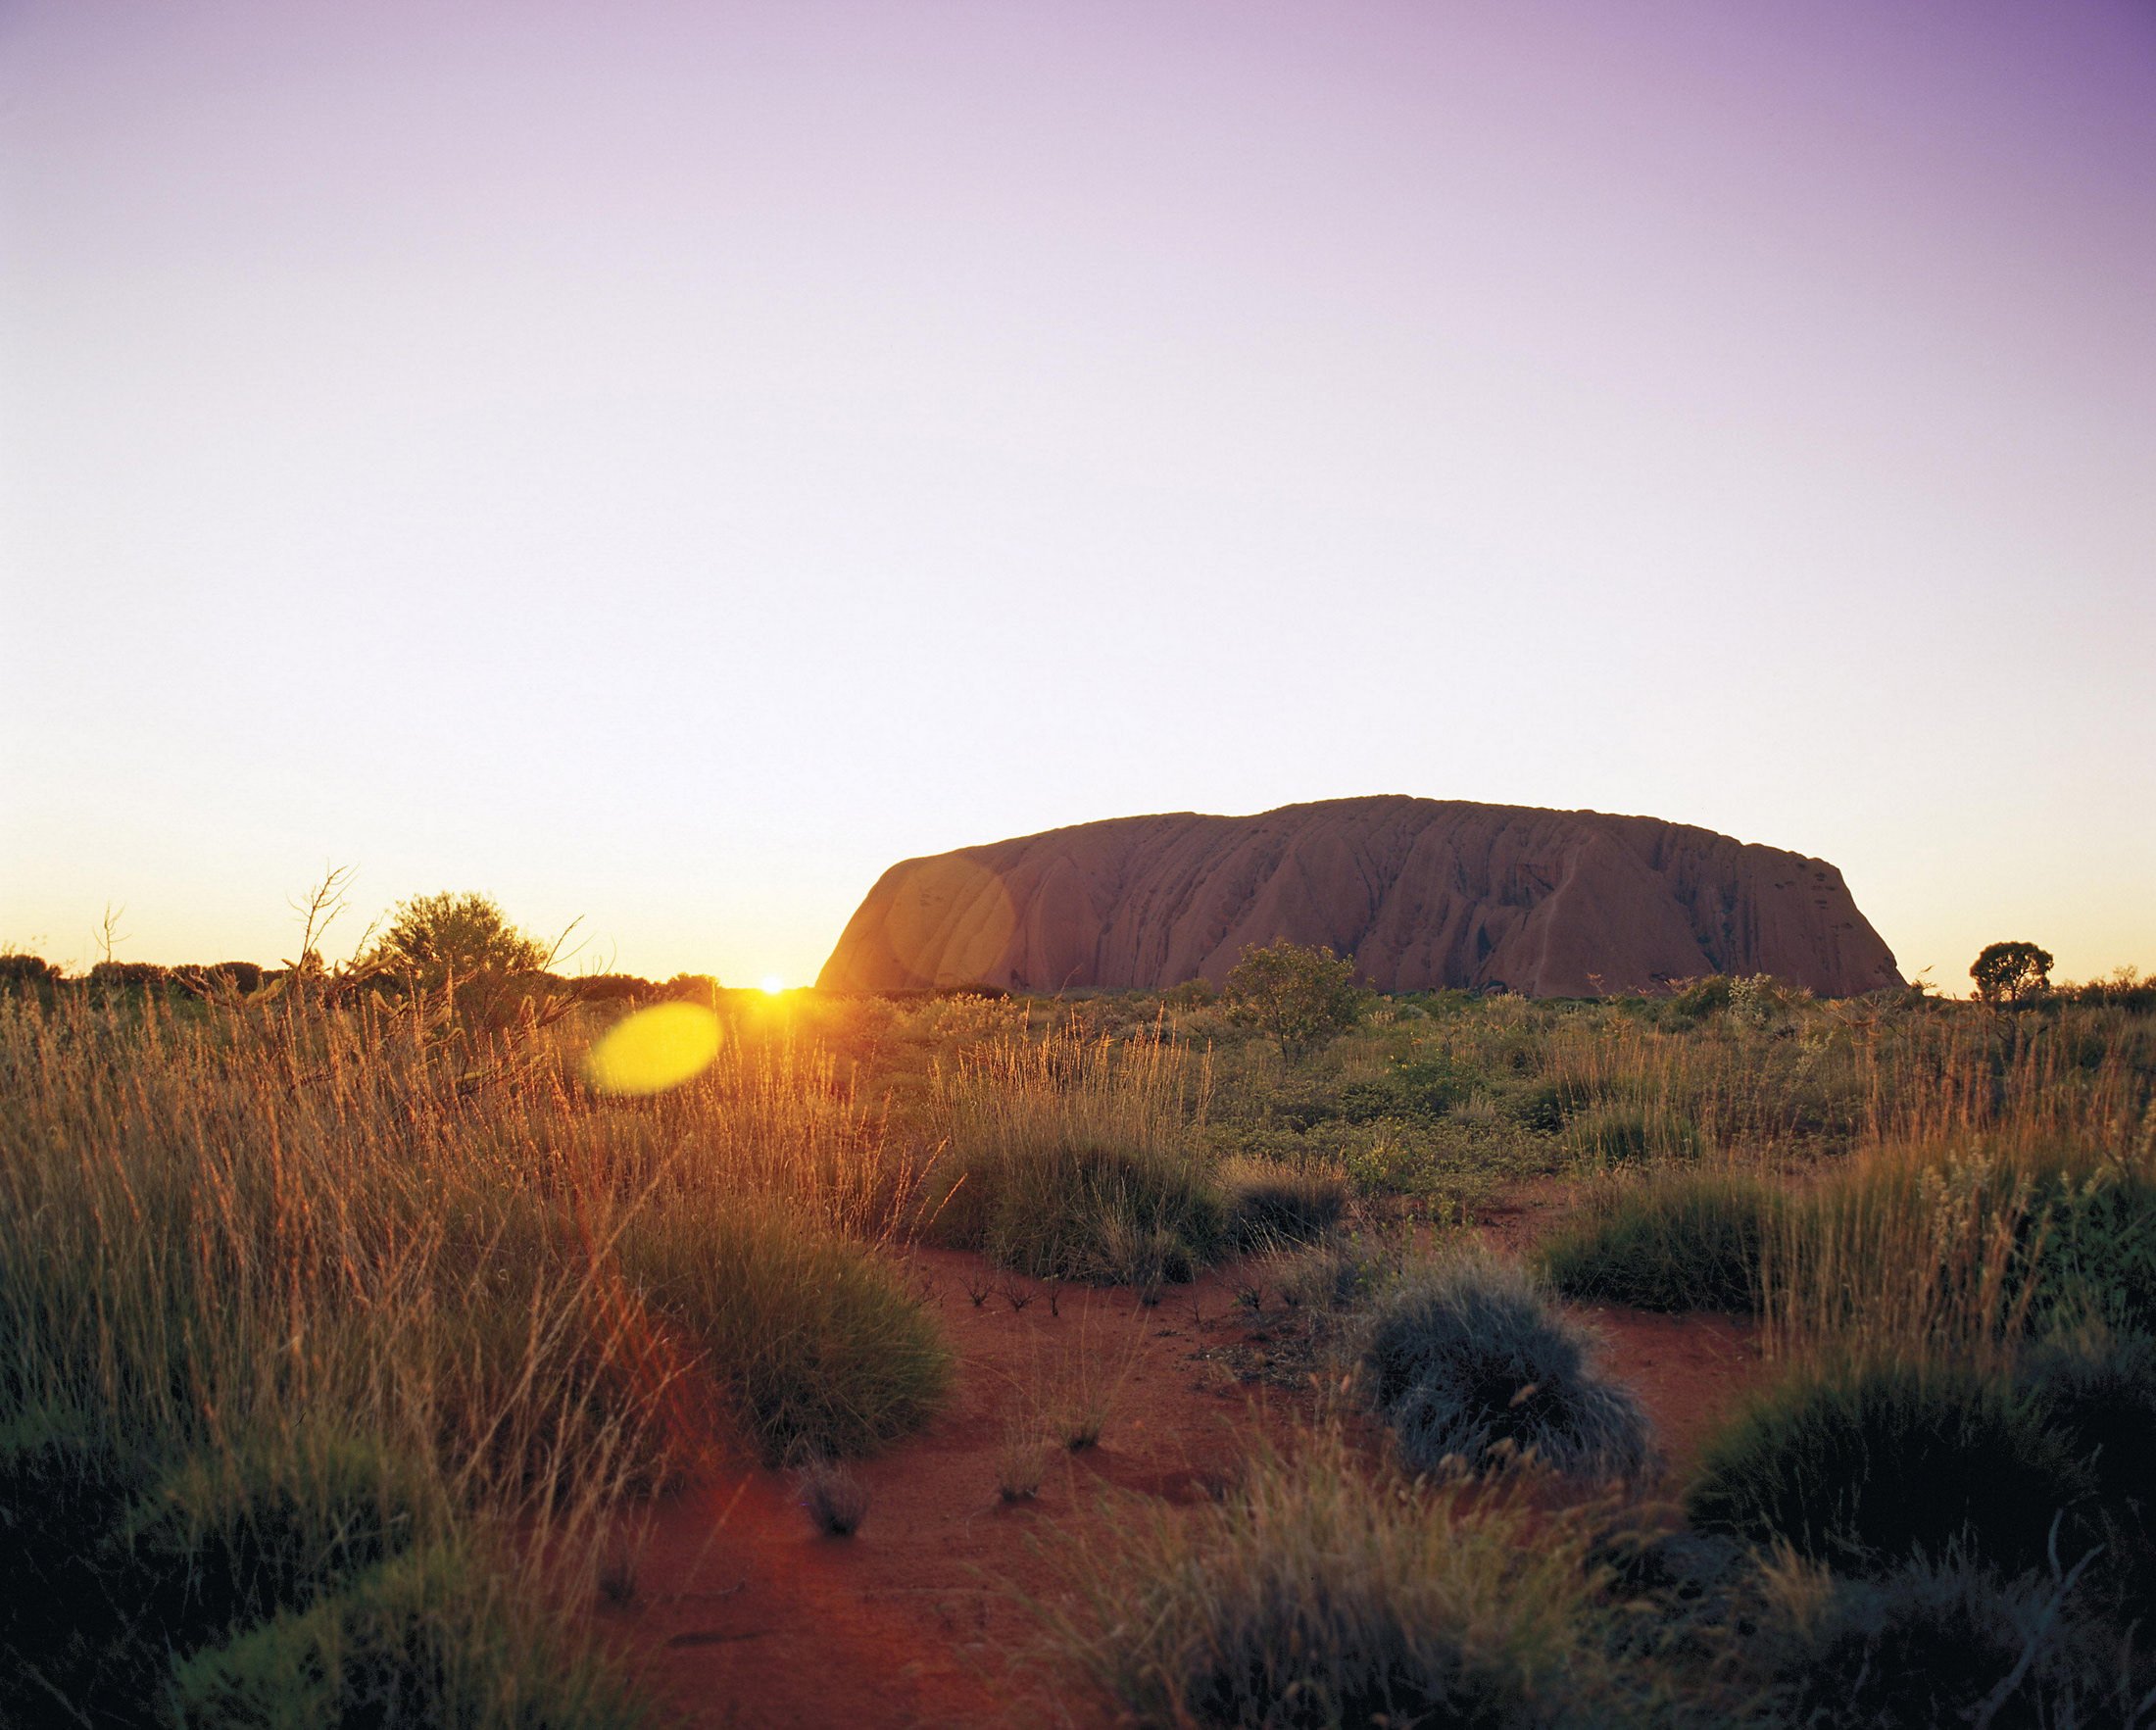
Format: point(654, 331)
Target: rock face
point(1421, 893)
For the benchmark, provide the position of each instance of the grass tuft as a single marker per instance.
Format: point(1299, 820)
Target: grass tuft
point(1864, 1465)
point(1676, 1240)
point(825, 1349)
point(1937, 1645)
point(1316, 1596)
point(1270, 1202)
point(1472, 1366)
point(425, 1639)
point(836, 1500)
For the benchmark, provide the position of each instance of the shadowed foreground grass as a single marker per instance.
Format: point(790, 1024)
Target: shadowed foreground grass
point(317, 1333)
point(332, 1336)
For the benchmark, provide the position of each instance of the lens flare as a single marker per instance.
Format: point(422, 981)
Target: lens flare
point(654, 1049)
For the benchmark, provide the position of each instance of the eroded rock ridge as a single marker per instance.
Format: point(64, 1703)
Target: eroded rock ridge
point(1422, 893)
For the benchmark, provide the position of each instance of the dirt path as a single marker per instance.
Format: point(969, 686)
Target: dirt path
point(749, 1618)
point(752, 1618)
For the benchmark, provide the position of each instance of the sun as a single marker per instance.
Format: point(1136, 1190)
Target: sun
point(773, 985)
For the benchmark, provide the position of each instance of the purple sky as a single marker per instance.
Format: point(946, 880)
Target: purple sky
point(665, 462)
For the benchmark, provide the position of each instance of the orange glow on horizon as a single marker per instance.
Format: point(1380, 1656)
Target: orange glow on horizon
point(773, 985)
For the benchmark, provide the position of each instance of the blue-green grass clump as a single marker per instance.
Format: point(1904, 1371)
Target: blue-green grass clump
point(1472, 1366)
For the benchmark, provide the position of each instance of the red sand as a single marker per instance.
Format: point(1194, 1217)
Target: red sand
point(748, 1617)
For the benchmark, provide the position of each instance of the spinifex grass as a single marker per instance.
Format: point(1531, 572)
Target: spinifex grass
point(1071, 1157)
point(224, 1222)
point(1319, 1593)
point(1473, 1368)
point(1675, 1238)
point(1866, 1462)
point(1961, 1245)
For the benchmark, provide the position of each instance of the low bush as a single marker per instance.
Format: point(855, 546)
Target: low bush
point(426, 1638)
point(821, 1346)
point(2099, 1392)
point(1863, 1466)
point(2096, 1261)
point(1934, 1645)
point(227, 1540)
point(625, 988)
point(1335, 1275)
point(1083, 1210)
point(113, 1570)
point(1470, 1364)
point(203, 979)
point(26, 972)
point(1540, 1107)
point(1629, 1135)
point(1428, 1087)
point(129, 977)
point(1971, 1243)
point(1316, 1596)
point(1701, 998)
point(1268, 1200)
point(1680, 1240)
point(1683, 1594)
point(64, 1486)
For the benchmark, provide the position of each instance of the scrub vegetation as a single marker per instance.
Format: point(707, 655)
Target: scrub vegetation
point(341, 1314)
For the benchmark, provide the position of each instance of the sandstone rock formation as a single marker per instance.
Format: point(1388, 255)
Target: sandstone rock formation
point(1422, 893)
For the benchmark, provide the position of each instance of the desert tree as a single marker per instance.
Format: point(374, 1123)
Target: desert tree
point(430, 938)
point(2011, 972)
point(1302, 996)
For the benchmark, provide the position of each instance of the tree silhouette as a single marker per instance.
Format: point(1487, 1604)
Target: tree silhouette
point(432, 938)
point(2011, 972)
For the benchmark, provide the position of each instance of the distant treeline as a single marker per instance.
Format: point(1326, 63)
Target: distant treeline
point(1695, 998)
point(207, 979)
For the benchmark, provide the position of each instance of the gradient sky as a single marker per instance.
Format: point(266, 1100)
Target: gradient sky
point(665, 462)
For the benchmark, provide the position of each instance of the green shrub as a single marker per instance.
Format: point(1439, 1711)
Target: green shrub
point(1305, 997)
point(129, 977)
point(1682, 1592)
point(1701, 998)
point(2096, 1261)
point(1191, 994)
point(1682, 1240)
point(1315, 1596)
point(215, 976)
point(1337, 1273)
point(1863, 1466)
point(1428, 1087)
point(111, 1571)
point(1468, 1362)
point(1540, 1107)
point(822, 1347)
point(424, 1640)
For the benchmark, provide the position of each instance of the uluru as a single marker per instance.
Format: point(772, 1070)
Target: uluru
point(1421, 894)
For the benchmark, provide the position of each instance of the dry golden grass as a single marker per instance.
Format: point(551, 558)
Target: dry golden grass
point(229, 1223)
